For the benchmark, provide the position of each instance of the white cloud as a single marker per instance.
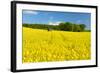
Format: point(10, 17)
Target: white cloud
point(31, 12)
point(54, 23)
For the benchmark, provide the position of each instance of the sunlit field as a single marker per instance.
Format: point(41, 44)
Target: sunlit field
point(50, 46)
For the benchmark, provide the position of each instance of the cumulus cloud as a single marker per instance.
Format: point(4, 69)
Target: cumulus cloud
point(31, 12)
point(54, 23)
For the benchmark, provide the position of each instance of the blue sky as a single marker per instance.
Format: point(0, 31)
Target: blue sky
point(45, 17)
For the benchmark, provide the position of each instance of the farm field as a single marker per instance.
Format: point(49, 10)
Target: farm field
point(47, 46)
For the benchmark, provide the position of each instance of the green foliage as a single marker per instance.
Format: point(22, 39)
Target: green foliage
point(42, 26)
point(82, 26)
point(65, 26)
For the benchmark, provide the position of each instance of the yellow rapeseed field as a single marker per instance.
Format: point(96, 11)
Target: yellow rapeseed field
point(46, 46)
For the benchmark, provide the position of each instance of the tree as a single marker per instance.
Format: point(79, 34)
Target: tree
point(62, 26)
point(76, 28)
point(67, 26)
point(82, 26)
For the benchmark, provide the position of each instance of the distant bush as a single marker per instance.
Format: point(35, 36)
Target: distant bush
point(66, 26)
point(42, 26)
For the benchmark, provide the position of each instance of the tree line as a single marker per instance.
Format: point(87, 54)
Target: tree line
point(65, 26)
